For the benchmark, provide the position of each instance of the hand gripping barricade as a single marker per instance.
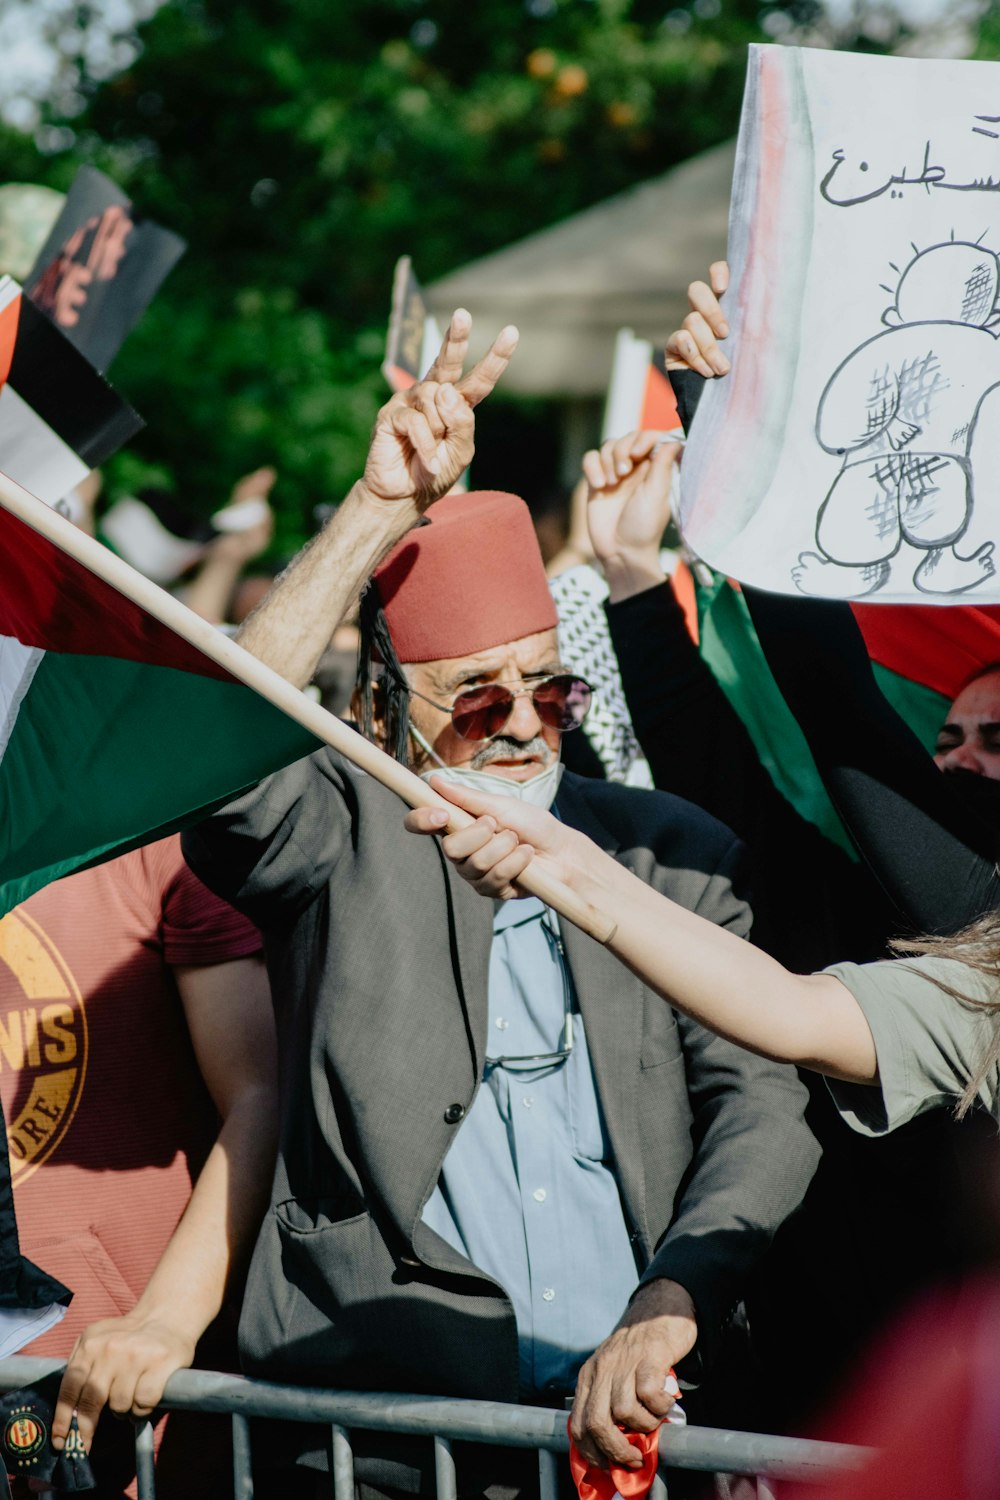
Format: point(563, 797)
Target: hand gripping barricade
point(443, 1421)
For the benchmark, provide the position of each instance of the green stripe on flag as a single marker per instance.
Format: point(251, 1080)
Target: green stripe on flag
point(107, 752)
point(730, 646)
point(923, 709)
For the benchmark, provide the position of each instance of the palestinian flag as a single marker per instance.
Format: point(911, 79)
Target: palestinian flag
point(940, 649)
point(640, 397)
point(922, 656)
point(114, 728)
point(58, 417)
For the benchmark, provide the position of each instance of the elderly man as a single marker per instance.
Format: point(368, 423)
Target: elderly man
point(498, 1153)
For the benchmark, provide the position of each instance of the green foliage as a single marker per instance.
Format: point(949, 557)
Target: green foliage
point(988, 40)
point(302, 146)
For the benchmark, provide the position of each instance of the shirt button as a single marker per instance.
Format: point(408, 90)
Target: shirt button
point(548, 1295)
point(539, 1195)
point(501, 1024)
point(527, 1101)
point(454, 1113)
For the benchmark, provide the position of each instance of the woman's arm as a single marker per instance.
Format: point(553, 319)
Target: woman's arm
point(710, 975)
point(125, 1361)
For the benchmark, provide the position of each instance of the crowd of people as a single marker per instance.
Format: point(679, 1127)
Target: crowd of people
point(343, 1081)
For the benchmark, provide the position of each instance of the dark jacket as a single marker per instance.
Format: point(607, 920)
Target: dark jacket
point(378, 953)
point(813, 905)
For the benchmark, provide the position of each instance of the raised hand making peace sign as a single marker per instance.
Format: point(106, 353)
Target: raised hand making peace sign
point(424, 437)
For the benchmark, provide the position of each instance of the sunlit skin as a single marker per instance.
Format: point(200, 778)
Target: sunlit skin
point(526, 746)
point(969, 739)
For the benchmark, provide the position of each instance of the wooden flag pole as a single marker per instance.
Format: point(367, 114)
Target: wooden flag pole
point(213, 643)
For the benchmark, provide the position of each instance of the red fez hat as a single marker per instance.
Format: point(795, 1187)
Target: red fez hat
point(471, 577)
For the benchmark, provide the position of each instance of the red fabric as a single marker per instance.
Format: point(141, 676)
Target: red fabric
point(10, 316)
point(687, 597)
point(940, 647)
point(108, 1119)
point(928, 1400)
point(603, 1484)
point(659, 404)
point(52, 601)
point(469, 579)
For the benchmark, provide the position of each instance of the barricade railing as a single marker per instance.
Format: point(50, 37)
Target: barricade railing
point(444, 1421)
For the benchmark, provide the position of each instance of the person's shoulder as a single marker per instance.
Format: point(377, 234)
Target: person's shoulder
point(325, 765)
point(140, 877)
point(914, 976)
point(286, 791)
point(633, 814)
point(161, 861)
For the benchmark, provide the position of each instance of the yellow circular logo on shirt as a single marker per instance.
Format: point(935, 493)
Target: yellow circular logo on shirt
point(25, 1434)
point(43, 1044)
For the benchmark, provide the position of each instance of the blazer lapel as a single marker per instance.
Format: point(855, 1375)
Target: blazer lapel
point(611, 1001)
point(471, 934)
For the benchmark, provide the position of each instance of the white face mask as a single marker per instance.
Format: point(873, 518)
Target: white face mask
point(539, 791)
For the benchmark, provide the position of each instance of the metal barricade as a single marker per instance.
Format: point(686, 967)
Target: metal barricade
point(444, 1421)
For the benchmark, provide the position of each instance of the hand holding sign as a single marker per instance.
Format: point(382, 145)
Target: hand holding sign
point(424, 437)
point(628, 508)
point(694, 345)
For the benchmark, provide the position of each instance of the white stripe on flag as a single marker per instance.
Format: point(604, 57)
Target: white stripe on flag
point(32, 454)
point(18, 665)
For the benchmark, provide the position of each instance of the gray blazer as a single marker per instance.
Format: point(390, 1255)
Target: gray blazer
point(378, 954)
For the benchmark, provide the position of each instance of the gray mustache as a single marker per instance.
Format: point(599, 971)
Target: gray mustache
point(505, 748)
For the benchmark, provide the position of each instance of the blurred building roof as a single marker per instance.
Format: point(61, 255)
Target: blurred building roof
point(624, 263)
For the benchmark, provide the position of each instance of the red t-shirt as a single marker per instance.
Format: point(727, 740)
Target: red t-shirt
point(108, 1119)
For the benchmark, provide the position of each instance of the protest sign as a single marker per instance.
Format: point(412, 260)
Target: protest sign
point(100, 267)
point(414, 336)
point(58, 417)
point(639, 395)
point(853, 450)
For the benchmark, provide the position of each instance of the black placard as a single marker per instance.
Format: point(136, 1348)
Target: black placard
point(100, 267)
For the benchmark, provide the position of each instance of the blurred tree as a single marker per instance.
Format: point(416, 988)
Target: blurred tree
point(301, 146)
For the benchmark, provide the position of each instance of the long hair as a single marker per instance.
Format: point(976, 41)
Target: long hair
point(386, 694)
point(978, 947)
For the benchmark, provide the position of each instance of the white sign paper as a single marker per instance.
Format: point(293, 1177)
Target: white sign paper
point(854, 451)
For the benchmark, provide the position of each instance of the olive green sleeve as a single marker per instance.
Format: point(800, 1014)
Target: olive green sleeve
point(928, 1043)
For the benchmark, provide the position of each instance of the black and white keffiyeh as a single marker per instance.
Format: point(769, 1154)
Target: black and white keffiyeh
point(585, 647)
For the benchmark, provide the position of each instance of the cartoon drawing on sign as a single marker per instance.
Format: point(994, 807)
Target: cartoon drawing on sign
point(902, 412)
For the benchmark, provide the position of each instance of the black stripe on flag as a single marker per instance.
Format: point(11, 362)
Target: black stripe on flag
point(66, 392)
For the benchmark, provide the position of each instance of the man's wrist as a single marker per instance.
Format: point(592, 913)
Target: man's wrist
point(663, 1298)
point(395, 517)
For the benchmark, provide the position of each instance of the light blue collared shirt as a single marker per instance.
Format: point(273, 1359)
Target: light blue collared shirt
point(527, 1191)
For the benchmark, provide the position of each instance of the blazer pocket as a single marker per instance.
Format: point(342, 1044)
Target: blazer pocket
point(306, 1216)
point(331, 1260)
point(337, 1264)
point(661, 1043)
point(311, 1280)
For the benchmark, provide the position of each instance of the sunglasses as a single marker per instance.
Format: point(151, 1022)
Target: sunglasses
point(480, 713)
